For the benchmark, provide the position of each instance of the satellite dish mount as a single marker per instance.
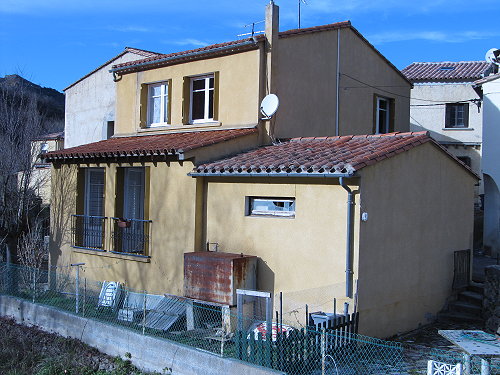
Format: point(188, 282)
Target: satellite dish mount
point(493, 56)
point(269, 106)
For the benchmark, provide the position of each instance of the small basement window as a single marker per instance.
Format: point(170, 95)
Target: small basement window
point(282, 207)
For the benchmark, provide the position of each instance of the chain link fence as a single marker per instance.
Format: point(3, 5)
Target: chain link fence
point(249, 335)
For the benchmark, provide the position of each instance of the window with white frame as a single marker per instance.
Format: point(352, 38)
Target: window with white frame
point(158, 103)
point(201, 99)
point(383, 115)
point(457, 115)
point(261, 206)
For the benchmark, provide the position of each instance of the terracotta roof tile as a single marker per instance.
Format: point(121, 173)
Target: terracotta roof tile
point(324, 155)
point(150, 145)
point(446, 71)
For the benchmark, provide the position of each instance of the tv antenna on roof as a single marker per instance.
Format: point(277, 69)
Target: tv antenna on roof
point(253, 29)
point(493, 56)
point(269, 106)
point(299, 5)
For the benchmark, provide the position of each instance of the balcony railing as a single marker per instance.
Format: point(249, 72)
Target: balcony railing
point(131, 236)
point(88, 231)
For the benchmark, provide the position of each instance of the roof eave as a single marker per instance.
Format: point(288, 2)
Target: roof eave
point(277, 174)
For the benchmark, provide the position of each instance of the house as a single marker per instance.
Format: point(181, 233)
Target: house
point(194, 166)
point(40, 174)
point(488, 88)
point(444, 103)
point(90, 101)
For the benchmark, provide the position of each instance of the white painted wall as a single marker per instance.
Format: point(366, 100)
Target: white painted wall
point(426, 113)
point(90, 104)
point(491, 165)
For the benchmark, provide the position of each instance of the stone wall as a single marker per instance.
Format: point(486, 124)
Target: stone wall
point(491, 302)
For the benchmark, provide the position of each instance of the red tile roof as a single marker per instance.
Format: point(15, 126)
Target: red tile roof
point(150, 145)
point(309, 156)
point(238, 45)
point(446, 71)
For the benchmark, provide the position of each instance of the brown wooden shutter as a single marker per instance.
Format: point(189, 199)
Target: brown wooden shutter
point(143, 106)
point(119, 192)
point(216, 96)
point(186, 93)
point(169, 103)
point(80, 191)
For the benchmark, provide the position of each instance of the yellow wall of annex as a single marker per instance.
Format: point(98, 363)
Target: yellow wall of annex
point(238, 92)
point(172, 200)
point(420, 210)
point(303, 257)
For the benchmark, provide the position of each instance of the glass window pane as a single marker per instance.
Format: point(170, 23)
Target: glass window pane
point(211, 104)
point(382, 121)
point(155, 116)
point(198, 105)
point(382, 104)
point(211, 84)
point(156, 90)
point(165, 107)
point(199, 84)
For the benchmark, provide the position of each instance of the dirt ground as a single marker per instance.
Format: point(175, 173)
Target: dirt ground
point(31, 351)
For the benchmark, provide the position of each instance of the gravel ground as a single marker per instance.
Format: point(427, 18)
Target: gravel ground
point(31, 351)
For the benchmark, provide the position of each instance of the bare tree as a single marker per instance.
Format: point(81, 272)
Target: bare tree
point(22, 119)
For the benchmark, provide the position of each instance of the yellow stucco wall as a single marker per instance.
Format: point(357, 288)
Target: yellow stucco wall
point(303, 257)
point(306, 86)
point(420, 210)
point(238, 92)
point(172, 211)
point(372, 76)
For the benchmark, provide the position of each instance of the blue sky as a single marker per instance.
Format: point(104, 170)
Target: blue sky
point(55, 42)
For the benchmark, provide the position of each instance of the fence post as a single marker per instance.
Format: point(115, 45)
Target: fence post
point(77, 286)
point(144, 315)
point(323, 351)
point(84, 295)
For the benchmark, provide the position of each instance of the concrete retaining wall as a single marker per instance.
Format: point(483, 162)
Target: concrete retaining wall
point(491, 302)
point(148, 353)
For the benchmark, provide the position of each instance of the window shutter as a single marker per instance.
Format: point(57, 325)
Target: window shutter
point(216, 96)
point(143, 115)
point(392, 114)
point(169, 103)
point(186, 93)
point(119, 192)
point(447, 120)
point(466, 115)
point(80, 192)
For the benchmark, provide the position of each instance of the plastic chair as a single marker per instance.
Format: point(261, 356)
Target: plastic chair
point(439, 368)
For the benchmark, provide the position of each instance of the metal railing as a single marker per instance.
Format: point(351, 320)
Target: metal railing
point(88, 231)
point(130, 236)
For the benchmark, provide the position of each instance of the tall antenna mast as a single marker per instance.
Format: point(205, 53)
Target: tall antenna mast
point(299, 4)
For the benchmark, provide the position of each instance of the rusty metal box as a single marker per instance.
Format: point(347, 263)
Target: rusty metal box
point(215, 276)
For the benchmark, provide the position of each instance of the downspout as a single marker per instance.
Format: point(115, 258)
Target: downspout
point(349, 240)
point(337, 86)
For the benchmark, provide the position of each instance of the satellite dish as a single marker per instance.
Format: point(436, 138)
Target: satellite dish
point(493, 56)
point(269, 106)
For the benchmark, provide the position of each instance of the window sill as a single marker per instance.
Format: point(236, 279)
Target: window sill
point(103, 253)
point(273, 216)
point(212, 124)
point(459, 129)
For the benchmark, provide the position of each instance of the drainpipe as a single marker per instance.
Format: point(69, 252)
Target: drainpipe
point(349, 239)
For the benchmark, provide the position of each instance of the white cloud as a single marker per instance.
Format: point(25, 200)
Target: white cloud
point(433, 36)
point(130, 29)
point(188, 42)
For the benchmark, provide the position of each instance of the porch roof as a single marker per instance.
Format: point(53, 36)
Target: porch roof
point(318, 156)
point(148, 145)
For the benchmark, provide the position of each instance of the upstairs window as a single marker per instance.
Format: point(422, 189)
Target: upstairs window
point(281, 207)
point(384, 115)
point(202, 99)
point(158, 104)
point(457, 115)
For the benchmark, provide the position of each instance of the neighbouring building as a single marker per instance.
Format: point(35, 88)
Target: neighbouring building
point(444, 103)
point(194, 166)
point(90, 101)
point(489, 90)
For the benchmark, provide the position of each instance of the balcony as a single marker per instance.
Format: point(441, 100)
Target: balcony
point(88, 231)
point(130, 236)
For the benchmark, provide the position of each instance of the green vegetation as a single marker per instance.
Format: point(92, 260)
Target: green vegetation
point(30, 351)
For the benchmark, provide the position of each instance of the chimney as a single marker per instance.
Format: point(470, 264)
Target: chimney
point(272, 30)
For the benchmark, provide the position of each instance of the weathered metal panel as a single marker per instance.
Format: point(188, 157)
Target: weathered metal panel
point(215, 276)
